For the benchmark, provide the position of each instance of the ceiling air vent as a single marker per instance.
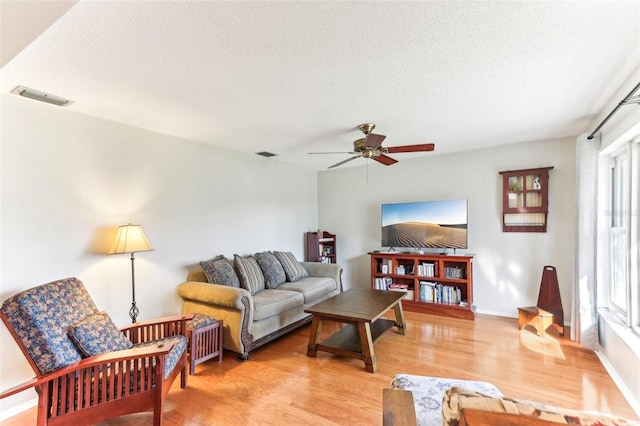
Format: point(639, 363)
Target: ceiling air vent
point(266, 154)
point(41, 96)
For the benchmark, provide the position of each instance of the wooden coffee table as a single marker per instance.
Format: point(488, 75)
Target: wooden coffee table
point(361, 310)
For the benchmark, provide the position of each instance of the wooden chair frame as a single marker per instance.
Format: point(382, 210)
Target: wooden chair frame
point(111, 384)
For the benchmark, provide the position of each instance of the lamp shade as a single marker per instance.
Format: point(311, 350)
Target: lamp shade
point(130, 239)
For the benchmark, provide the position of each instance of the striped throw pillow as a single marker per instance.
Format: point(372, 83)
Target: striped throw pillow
point(251, 277)
point(292, 268)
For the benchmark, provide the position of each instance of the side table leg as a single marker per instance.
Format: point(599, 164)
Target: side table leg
point(314, 336)
point(366, 342)
point(402, 328)
point(220, 340)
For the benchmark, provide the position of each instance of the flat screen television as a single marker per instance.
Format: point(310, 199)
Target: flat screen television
point(425, 224)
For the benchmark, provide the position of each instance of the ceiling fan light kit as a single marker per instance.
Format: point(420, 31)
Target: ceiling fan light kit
point(371, 147)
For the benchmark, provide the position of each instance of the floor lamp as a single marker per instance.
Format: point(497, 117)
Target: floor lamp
point(131, 239)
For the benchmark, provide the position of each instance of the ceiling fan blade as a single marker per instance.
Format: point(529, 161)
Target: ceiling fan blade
point(386, 160)
point(374, 141)
point(411, 148)
point(341, 152)
point(345, 161)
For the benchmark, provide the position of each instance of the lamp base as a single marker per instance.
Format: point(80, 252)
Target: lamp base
point(133, 312)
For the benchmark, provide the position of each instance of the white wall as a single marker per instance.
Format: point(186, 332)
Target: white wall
point(508, 266)
point(625, 123)
point(67, 180)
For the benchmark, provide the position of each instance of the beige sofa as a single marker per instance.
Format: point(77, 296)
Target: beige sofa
point(251, 320)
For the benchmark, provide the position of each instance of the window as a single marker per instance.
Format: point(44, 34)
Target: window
point(618, 255)
point(624, 235)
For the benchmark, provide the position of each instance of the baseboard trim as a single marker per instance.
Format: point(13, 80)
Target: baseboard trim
point(511, 315)
point(497, 313)
point(14, 411)
point(633, 402)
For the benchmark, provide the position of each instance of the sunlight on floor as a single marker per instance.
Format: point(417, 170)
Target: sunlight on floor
point(547, 345)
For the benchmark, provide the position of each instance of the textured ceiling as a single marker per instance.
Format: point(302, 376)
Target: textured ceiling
point(294, 77)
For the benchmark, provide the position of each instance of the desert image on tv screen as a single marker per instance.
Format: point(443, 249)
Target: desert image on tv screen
point(431, 224)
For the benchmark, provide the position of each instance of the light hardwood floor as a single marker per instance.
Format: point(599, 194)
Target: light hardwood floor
point(280, 385)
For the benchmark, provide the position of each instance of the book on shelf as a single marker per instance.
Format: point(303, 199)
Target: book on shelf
point(427, 291)
point(383, 283)
point(398, 287)
point(454, 272)
point(403, 288)
point(386, 283)
point(426, 269)
point(439, 293)
point(386, 266)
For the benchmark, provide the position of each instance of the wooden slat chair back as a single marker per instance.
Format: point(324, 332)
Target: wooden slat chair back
point(549, 297)
point(548, 310)
point(76, 387)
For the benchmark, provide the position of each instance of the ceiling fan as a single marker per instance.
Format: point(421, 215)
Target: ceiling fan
point(371, 147)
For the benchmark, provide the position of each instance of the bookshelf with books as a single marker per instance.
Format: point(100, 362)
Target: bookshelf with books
point(435, 284)
point(321, 247)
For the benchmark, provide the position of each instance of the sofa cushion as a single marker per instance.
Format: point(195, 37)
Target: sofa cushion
point(97, 334)
point(292, 268)
point(219, 271)
point(311, 288)
point(271, 268)
point(251, 277)
point(268, 303)
point(458, 398)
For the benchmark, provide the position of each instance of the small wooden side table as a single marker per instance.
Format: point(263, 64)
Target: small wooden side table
point(205, 340)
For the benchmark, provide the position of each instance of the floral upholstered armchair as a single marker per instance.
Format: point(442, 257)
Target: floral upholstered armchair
point(86, 369)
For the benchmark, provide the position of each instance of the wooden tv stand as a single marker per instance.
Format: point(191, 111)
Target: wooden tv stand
point(435, 284)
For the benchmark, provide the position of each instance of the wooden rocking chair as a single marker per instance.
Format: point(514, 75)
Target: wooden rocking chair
point(86, 369)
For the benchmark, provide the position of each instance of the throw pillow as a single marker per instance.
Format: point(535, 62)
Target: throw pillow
point(251, 277)
point(272, 269)
point(97, 334)
point(219, 271)
point(292, 268)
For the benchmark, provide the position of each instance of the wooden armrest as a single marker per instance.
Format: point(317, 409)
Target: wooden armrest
point(398, 408)
point(115, 356)
point(146, 331)
point(97, 360)
point(19, 388)
point(111, 357)
point(475, 417)
point(162, 320)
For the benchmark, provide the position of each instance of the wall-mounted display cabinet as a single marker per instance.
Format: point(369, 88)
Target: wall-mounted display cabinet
point(321, 247)
point(525, 200)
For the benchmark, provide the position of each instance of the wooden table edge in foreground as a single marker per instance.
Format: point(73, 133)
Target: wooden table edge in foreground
point(364, 324)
